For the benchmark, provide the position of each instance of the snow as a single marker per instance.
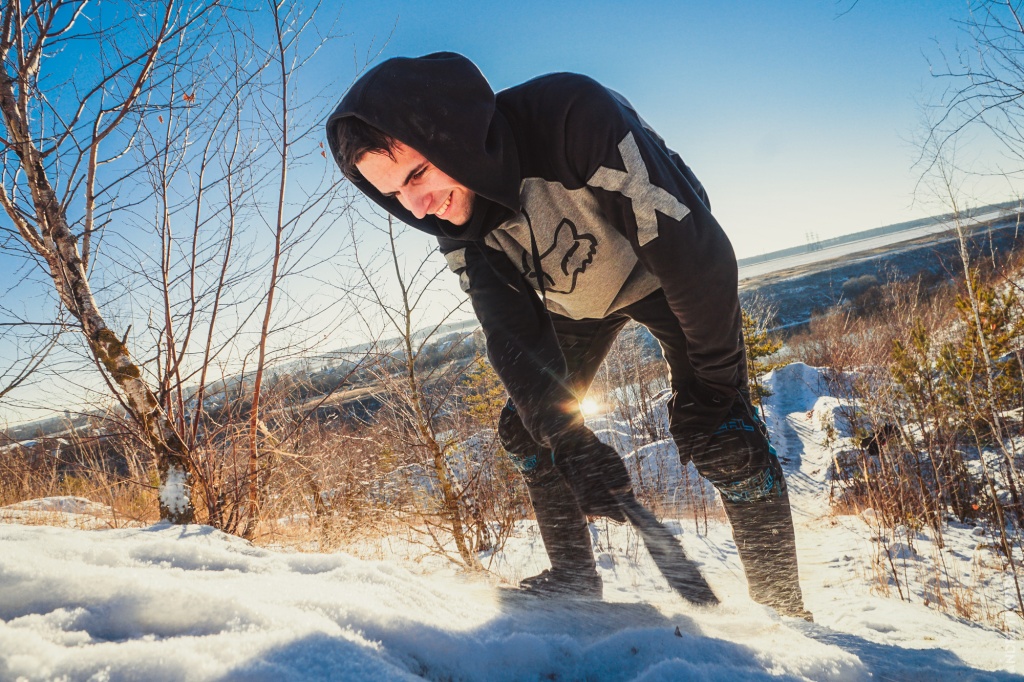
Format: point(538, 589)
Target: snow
point(174, 490)
point(191, 603)
point(75, 512)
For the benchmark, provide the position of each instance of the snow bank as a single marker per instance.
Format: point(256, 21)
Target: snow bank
point(74, 512)
point(190, 603)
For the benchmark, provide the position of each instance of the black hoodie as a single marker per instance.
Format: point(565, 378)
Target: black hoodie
point(570, 181)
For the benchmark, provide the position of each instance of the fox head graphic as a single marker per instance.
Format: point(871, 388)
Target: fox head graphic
point(562, 263)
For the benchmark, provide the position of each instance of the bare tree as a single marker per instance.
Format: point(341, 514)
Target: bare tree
point(223, 172)
point(983, 104)
point(415, 396)
point(54, 154)
point(297, 226)
point(152, 175)
point(984, 94)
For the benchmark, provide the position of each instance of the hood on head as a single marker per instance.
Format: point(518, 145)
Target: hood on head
point(443, 107)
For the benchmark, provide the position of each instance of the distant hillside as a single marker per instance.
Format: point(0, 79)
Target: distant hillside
point(866, 234)
point(797, 293)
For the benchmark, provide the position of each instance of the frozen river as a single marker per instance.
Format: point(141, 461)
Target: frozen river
point(860, 245)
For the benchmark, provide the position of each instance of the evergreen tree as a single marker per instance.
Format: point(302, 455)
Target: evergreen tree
point(761, 345)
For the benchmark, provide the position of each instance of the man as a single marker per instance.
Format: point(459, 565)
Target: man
point(564, 216)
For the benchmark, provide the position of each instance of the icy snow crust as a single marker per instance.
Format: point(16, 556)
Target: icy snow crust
point(191, 603)
point(74, 512)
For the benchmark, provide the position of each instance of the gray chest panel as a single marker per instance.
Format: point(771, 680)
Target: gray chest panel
point(585, 263)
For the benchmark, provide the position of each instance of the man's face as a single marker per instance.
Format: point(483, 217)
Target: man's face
point(417, 184)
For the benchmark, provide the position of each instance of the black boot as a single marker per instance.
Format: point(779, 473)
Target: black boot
point(563, 527)
point(567, 584)
point(739, 460)
point(763, 531)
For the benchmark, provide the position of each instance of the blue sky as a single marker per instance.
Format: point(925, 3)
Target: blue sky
point(798, 115)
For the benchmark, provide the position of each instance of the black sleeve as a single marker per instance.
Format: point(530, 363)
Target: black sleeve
point(521, 341)
point(646, 190)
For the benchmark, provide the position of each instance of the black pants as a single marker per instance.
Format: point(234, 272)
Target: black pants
point(762, 526)
point(585, 344)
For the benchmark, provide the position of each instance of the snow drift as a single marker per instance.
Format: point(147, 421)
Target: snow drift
point(190, 603)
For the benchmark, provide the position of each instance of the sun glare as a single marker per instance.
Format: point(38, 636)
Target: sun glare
point(589, 407)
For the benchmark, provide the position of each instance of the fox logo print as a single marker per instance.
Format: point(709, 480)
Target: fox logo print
point(585, 261)
point(568, 257)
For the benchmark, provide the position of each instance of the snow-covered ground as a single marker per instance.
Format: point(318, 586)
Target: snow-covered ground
point(190, 603)
point(72, 512)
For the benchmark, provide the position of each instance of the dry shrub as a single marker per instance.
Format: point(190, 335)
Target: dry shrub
point(401, 467)
point(935, 418)
point(102, 463)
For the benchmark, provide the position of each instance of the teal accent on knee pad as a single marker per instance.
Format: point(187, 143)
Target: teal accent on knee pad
point(764, 485)
point(740, 423)
point(525, 464)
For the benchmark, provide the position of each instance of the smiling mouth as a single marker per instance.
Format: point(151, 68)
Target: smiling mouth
point(444, 207)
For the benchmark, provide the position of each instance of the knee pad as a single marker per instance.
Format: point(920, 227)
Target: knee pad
point(767, 484)
point(527, 455)
point(741, 463)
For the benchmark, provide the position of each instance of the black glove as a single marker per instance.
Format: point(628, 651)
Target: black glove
point(697, 412)
point(594, 471)
point(699, 409)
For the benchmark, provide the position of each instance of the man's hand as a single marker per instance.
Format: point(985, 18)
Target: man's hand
point(594, 471)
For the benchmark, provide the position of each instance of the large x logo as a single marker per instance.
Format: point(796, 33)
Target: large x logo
point(635, 183)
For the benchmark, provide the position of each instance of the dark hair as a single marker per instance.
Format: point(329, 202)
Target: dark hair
point(355, 138)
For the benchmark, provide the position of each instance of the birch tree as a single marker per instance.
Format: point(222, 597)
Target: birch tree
point(146, 152)
point(54, 148)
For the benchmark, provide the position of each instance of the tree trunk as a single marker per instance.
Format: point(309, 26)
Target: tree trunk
point(55, 242)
